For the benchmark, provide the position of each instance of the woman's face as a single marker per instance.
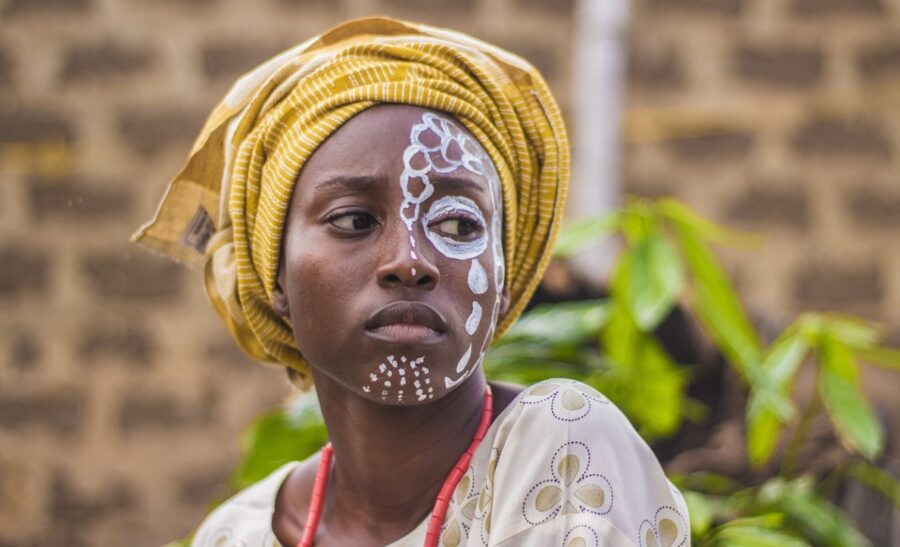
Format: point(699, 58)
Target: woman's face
point(392, 263)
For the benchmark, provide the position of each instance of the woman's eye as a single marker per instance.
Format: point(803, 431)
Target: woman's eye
point(457, 227)
point(353, 222)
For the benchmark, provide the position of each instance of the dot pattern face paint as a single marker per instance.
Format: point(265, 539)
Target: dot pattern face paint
point(439, 145)
point(392, 379)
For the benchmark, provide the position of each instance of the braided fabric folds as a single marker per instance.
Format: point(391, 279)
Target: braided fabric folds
point(225, 210)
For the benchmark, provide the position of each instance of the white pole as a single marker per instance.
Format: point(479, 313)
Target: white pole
point(597, 82)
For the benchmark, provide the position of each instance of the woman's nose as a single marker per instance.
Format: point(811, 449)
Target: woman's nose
point(407, 264)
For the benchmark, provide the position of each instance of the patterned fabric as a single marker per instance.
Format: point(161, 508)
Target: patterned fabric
point(225, 211)
point(561, 465)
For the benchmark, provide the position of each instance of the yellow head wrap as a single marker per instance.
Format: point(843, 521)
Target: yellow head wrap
point(225, 211)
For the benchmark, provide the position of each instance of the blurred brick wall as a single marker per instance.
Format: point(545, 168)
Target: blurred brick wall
point(784, 119)
point(121, 397)
point(780, 117)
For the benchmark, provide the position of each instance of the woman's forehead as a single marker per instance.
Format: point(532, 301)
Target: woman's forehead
point(373, 145)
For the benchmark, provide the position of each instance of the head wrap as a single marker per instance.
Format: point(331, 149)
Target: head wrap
point(225, 210)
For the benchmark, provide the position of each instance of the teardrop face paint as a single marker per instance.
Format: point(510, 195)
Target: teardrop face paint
point(478, 281)
point(474, 318)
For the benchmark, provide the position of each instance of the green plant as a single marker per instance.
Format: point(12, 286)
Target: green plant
point(666, 260)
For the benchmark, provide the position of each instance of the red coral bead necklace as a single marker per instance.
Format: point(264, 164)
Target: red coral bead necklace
point(440, 504)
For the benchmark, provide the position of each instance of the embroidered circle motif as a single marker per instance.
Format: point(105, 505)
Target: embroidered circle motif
point(486, 498)
point(581, 535)
point(569, 400)
point(668, 529)
point(571, 488)
point(460, 512)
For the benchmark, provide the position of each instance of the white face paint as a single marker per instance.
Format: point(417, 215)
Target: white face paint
point(478, 281)
point(464, 360)
point(474, 318)
point(439, 145)
point(390, 380)
point(449, 209)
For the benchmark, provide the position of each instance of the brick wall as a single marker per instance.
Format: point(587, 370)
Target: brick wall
point(120, 395)
point(780, 117)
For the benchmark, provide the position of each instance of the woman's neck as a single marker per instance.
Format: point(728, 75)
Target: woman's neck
point(390, 462)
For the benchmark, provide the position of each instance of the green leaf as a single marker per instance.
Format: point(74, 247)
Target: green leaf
point(717, 304)
point(707, 482)
point(619, 336)
point(763, 434)
point(527, 363)
point(657, 280)
point(785, 357)
point(278, 437)
point(877, 479)
point(574, 237)
point(563, 323)
point(681, 214)
point(849, 411)
point(887, 357)
point(769, 406)
point(807, 511)
point(702, 511)
point(638, 217)
point(737, 534)
point(852, 331)
point(643, 381)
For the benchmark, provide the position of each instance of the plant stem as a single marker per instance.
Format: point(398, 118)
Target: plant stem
point(792, 453)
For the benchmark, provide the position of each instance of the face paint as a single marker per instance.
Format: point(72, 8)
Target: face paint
point(435, 144)
point(464, 360)
point(474, 318)
point(451, 208)
point(478, 281)
point(392, 377)
point(439, 145)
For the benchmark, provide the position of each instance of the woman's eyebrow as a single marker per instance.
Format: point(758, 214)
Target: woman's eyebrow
point(362, 183)
point(357, 184)
point(457, 183)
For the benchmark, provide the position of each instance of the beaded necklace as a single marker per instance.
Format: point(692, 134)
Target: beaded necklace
point(443, 497)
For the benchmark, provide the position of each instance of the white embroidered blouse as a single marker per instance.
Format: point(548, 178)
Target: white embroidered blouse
point(561, 465)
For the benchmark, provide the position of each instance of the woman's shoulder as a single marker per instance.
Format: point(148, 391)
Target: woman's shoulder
point(560, 411)
point(569, 456)
point(246, 517)
point(568, 404)
point(561, 416)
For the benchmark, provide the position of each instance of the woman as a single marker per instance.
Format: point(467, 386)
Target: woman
point(387, 195)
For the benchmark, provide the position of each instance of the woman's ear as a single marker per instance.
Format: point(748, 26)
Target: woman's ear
point(279, 300)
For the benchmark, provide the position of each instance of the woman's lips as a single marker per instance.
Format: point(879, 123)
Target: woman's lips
point(407, 323)
point(405, 333)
